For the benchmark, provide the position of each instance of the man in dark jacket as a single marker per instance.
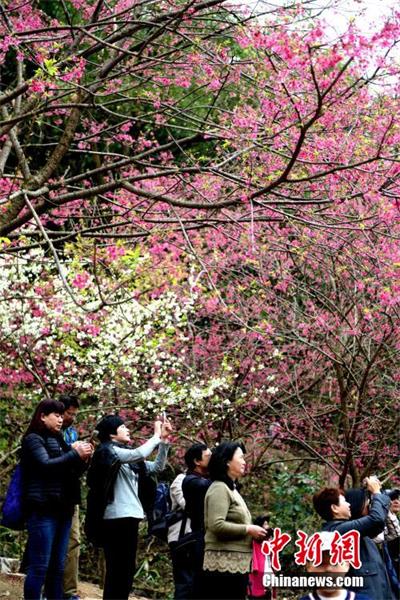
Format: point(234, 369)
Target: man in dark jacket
point(332, 505)
point(194, 487)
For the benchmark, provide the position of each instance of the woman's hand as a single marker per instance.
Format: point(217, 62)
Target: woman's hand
point(257, 533)
point(84, 449)
point(157, 427)
point(373, 484)
point(166, 429)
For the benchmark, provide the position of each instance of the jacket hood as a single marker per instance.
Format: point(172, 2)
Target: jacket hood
point(357, 498)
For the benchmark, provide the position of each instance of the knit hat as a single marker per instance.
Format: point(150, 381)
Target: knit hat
point(357, 498)
point(108, 426)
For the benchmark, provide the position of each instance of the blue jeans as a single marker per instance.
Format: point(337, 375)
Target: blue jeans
point(47, 548)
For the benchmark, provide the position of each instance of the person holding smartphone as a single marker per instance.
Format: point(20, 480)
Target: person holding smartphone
point(51, 470)
point(114, 507)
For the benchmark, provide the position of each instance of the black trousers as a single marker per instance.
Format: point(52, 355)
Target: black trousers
point(224, 586)
point(187, 566)
point(120, 544)
point(183, 571)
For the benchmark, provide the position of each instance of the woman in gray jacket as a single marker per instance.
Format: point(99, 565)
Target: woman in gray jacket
point(114, 473)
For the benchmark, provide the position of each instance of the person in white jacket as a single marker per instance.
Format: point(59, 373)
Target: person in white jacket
point(181, 567)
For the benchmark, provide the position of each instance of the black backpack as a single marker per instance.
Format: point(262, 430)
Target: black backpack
point(155, 500)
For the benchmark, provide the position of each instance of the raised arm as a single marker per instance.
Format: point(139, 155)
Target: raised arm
point(132, 455)
point(371, 524)
point(158, 465)
point(160, 462)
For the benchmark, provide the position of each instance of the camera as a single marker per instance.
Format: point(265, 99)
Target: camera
point(270, 532)
point(364, 481)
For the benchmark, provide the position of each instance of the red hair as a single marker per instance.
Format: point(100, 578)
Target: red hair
point(323, 501)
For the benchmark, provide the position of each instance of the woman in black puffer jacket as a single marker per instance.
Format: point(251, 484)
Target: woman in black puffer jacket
point(51, 470)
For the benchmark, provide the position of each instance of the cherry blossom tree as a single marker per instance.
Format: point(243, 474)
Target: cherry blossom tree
point(314, 317)
point(125, 120)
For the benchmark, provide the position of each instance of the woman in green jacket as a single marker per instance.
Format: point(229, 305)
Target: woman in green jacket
point(228, 526)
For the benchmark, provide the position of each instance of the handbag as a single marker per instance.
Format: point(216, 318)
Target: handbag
point(13, 514)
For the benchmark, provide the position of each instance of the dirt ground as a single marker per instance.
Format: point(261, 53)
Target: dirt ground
point(11, 588)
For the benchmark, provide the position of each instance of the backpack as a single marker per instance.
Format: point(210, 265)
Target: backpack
point(162, 501)
point(155, 500)
point(162, 517)
point(12, 509)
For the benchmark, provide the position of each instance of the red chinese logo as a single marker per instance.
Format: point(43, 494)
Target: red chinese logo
point(346, 548)
point(343, 548)
point(274, 547)
point(310, 549)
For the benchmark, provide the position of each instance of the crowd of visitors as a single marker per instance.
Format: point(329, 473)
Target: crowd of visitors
point(216, 547)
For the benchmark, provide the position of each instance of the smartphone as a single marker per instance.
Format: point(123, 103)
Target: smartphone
point(270, 532)
point(93, 439)
point(164, 416)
